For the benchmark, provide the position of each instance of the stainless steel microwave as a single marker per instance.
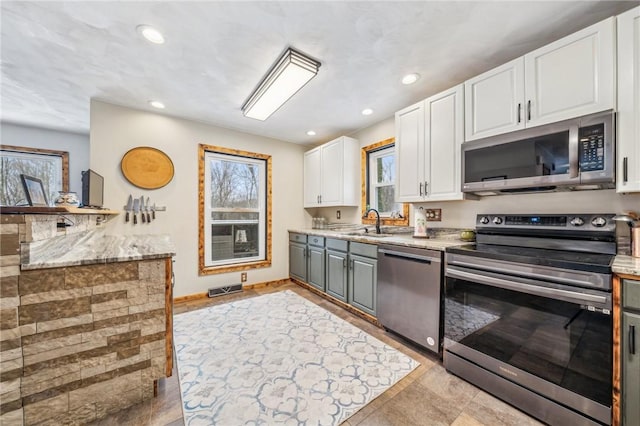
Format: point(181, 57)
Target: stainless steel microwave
point(574, 154)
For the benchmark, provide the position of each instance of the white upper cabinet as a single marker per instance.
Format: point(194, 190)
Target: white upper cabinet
point(628, 118)
point(332, 174)
point(568, 78)
point(409, 146)
point(429, 136)
point(493, 101)
point(444, 131)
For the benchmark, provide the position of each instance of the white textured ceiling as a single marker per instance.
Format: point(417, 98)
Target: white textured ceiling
point(56, 56)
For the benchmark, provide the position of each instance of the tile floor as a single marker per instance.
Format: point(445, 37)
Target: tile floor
point(427, 396)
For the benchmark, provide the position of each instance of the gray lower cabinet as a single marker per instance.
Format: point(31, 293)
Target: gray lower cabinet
point(316, 262)
point(298, 261)
point(363, 277)
point(630, 352)
point(337, 276)
point(298, 256)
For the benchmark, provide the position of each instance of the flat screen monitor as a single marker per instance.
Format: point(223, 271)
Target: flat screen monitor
point(92, 189)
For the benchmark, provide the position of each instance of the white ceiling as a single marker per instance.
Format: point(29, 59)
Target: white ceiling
point(56, 56)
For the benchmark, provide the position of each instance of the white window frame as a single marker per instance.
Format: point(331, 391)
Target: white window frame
point(373, 176)
point(261, 210)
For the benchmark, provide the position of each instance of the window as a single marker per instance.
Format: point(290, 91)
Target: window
point(382, 174)
point(378, 177)
point(51, 167)
point(235, 210)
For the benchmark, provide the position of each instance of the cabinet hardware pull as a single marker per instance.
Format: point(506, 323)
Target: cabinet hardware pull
point(421, 189)
point(344, 262)
point(425, 188)
point(320, 198)
point(351, 264)
point(519, 113)
point(625, 165)
point(529, 110)
point(632, 339)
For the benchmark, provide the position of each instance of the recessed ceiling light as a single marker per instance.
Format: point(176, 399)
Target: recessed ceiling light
point(367, 111)
point(156, 104)
point(410, 78)
point(150, 33)
point(311, 133)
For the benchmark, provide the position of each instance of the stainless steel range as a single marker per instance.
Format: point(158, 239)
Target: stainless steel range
point(528, 314)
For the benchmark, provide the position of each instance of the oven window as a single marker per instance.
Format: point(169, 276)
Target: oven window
point(554, 340)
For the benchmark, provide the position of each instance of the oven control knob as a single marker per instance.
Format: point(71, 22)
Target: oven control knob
point(577, 221)
point(599, 221)
point(484, 220)
point(497, 220)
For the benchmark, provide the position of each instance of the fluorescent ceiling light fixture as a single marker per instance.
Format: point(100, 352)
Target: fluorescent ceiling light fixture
point(156, 104)
point(367, 111)
point(150, 33)
point(288, 75)
point(410, 78)
point(311, 133)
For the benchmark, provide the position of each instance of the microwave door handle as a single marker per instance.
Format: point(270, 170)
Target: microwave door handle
point(573, 152)
point(513, 284)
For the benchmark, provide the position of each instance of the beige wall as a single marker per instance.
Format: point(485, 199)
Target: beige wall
point(462, 214)
point(115, 130)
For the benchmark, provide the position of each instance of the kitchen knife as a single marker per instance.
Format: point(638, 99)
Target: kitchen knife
point(147, 208)
point(136, 209)
point(128, 208)
point(153, 211)
point(144, 219)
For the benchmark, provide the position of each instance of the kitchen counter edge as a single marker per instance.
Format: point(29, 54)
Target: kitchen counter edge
point(405, 240)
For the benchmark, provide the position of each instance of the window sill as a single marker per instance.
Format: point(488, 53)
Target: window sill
point(211, 270)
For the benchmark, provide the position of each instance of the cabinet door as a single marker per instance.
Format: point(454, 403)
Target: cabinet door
point(494, 101)
point(332, 173)
point(363, 280)
point(630, 369)
point(410, 151)
point(628, 117)
point(315, 268)
point(444, 128)
point(573, 76)
point(312, 173)
point(298, 261)
point(337, 274)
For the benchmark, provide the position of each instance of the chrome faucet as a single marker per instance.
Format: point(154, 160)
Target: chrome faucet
point(366, 214)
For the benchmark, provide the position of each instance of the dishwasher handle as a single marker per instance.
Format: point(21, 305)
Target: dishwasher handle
point(411, 256)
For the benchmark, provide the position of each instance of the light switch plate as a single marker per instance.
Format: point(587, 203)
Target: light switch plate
point(433, 215)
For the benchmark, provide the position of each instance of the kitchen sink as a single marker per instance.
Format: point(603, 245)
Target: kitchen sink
point(368, 234)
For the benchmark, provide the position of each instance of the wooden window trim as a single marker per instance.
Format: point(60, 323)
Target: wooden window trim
point(54, 153)
point(365, 186)
point(210, 270)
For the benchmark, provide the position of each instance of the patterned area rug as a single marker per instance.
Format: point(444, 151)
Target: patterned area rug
point(279, 359)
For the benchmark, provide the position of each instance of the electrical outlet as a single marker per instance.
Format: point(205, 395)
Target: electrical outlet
point(337, 214)
point(433, 215)
point(243, 277)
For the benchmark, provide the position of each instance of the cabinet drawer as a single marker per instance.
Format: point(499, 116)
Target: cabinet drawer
point(298, 238)
point(368, 250)
point(631, 294)
point(314, 240)
point(341, 245)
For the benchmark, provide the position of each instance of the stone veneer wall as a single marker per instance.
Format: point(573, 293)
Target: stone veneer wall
point(76, 343)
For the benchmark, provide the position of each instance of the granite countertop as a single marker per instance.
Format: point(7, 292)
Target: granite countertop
point(93, 247)
point(626, 265)
point(439, 239)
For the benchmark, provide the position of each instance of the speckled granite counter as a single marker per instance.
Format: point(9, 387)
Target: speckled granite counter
point(438, 239)
point(92, 247)
point(626, 265)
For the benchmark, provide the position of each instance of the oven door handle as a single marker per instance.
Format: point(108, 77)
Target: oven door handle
point(516, 285)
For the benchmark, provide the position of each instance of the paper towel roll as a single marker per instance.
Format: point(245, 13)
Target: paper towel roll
point(420, 223)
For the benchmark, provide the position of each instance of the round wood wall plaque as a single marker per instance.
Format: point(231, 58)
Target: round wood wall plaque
point(147, 167)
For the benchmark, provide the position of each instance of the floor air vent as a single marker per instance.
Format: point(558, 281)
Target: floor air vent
point(225, 290)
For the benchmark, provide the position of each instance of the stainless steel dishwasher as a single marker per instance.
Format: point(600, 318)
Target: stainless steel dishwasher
point(409, 296)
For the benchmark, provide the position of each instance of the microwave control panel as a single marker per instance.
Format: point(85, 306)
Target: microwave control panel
point(592, 148)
